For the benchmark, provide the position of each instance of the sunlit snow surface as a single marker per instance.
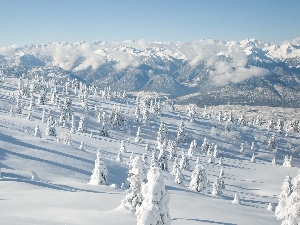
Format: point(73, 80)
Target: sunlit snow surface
point(63, 196)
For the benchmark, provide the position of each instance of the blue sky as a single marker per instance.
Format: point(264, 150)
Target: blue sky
point(42, 21)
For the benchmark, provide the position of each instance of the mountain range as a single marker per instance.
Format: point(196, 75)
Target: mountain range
point(204, 72)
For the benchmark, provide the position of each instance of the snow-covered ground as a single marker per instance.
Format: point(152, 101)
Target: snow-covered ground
point(63, 195)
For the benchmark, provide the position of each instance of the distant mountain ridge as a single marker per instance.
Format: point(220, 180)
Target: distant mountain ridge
point(204, 72)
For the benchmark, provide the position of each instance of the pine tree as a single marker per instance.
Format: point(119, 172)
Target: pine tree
point(184, 163)
point(178, 175)
point(136, 178)
point(145, 159)
point(181, 133)
point(242, 150)
point(119, 157)
point(216, 152)
point(50, 130)
point(18, 107)
point(162, 159)
point(272, 143)
point(198, 179)
point(193, 148)
point(253, 158)
point(122, 147)
point(174, 168)
point(236, 200)
point(281, 210)
point(100, 173)
point(270, 207)
point(153, 162)
point(138, 137)
point(103, 130)
point(274, 160)
point(288, 161)
point(37, 131)
point(147, 147)
point(154, 209)
point(73, 126)
point(204, 146)
point(81, 146)
point(217, 188)
point(162, 134)
point(82, 126)
point(172, 147)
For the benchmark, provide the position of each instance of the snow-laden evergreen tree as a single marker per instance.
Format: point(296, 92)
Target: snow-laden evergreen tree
point(31, 103)
point(73, 126)
point(280, 125)
point(220, 161)
point(155, 207)
point(292, 209)
point(286, 190)
point(37, 131)
point(220, 117)
point(217, 187)
point(230, 117)
point(175, 165)
point(193, 148)
point(11, 112)
point(272, 143)
point(122, 147)
point(236, 199)
point(162, 159)
point(145, 159)
point(119, 157)
point(146, 116)
point(252, 147)
point(191, 112)
point(100, 173)
point(241, 120)
point(162, 134)
point(204, 146)
point(184, 162)
point(42, 98)
point(104, 130)
point(270, 124)
point(216, 152)
point(198, 179)
point(181, 134)
point(81, 125)
point(274, 160)
point(288, 161)
point(138, 137)
point(147, 147)
point(29, 116)
point(136, 179)
point(68, 108)
point(242, 149)
point(172, 148)
point(178, 175)
point(18, 106)
point(198, 160)
point(50, 129)
point(44, 116)
point(81, 146)
point(253, 158)
point(34, 176)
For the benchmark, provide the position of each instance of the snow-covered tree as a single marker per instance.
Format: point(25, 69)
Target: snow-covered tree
point(147, 147)
point(217, 187)
point(122, 147)
point(193, 148)
point(50, 129)
point(216, 152)
point(236, 199)
point(242, 149)
point(162, 134)
point(282, 209)
point(220, 161)
point(29, 116)
point(272, 143)
point(288, 161)
point(81, 146)
point(253, 158)
point(184, 162)
point(73, 126)
point(155, 207)
point(145, 159)
point(172, 148)
point(162, 159)
point(192, 112)
point(104, 130)
point(153, 162)
point(181, 133)
point(138, 137)
point(100, 173)
point(178, 175)
point(81, 125)
point(198, 179)
point(136, 179)
point(204, 146)
point(37, 131)
point(274, 160)
point(119, 157)
point(18, 107)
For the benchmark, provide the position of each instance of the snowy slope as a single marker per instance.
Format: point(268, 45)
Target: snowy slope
point(64, 197)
